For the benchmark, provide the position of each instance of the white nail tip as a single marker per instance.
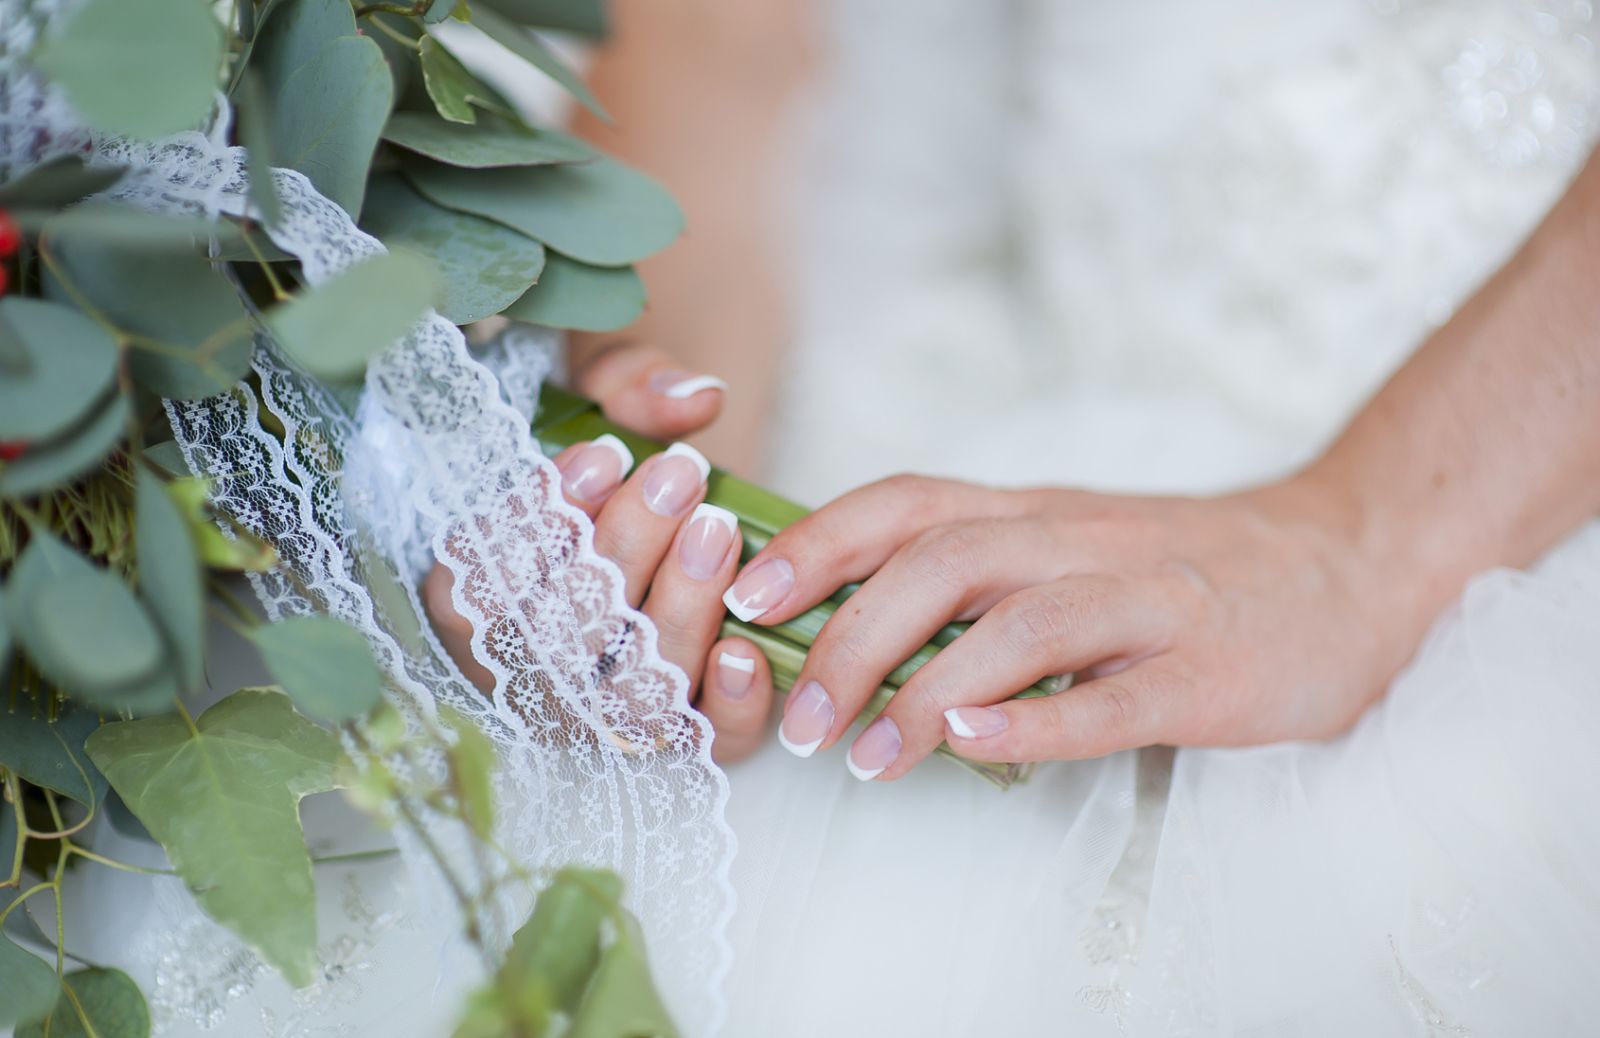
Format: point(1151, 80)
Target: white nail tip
point(958, 726)
point(738, 608)
point(732, 662)
point(805, 749)
point(864, 774)
point(690, 386)
point(721, 515)
point(683, 450)
point(617, 447)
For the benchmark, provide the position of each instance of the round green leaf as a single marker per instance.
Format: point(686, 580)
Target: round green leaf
point(324, 665)
point(575, 295)
point(333, 328)
point(142, 69)
point(110, 999)
point(58, 182)
point(49, 753)
point(70, 361)
point(28, 986)
point(169, 576)
point(485, 266)
point(69, 455)
point(599, 212)
point(490, 142)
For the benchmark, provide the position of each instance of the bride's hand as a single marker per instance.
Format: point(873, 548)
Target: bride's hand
point(1241, 619)
point(676, 555)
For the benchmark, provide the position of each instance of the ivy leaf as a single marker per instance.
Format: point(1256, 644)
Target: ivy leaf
point(58, 182)
point(331, 94)
point(485, 266)
point(79, 623)
point(489, 142)
point(28, 986)
point(599, 212)
point(222, 797)
point(325, 666)
point(621, 1001)
point(65, 457)
point(575, 295)
point(332, 329)
point(450, 86)
point(110, 999)
point(169, 576)
point(50, 754)
point(531, 49)
point(143, 70)
point(70, 362)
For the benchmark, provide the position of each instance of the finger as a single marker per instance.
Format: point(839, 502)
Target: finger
point(1052, 628)
point(639, 521)
point(851, 538)
point(639, 386)
point(943, 573)
point(685, 600)
point(737, 698)
point(453, 629)
point(1132, 708)
point(592, 471)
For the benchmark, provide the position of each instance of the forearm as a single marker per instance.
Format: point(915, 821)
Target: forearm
point(699, 91)
point(1485, 448)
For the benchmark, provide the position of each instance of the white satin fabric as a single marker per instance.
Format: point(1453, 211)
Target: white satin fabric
point(1171, 247)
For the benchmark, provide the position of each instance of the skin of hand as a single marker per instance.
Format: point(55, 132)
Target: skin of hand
point(677, 556)
point(1277, 613)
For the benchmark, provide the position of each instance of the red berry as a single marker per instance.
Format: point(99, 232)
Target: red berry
point(4, 279)
point(10, 235)
point(11, 450)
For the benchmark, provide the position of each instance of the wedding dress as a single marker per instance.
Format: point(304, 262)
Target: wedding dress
point(1172, 247)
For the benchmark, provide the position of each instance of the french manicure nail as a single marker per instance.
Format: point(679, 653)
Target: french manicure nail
point(674, 479)
point(874, 750)
point(597, 469)
point(735, 674)
point(759, 588)
point(706, 540)
point(975, 722)
point(806, 720)
point(680, 385)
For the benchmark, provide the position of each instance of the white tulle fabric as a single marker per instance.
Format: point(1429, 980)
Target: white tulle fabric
point(603, 762)
point(1169, 247)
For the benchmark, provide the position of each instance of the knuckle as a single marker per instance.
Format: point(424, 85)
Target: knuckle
point(1041, 620)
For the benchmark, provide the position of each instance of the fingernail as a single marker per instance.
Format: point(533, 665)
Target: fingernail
point(597, 469)
point(806, 720)
point(675, 478)
point(874, 750)
point(975, 722)
point(706, 540)
point(735, 674)
point(759, 589)
point(680, 385)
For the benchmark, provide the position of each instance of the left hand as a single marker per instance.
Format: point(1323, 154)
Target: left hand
point(1242, 619)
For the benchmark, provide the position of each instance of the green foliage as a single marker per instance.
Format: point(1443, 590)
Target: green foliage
point(472, 761)
point(169, 576)
point(517, 39)
point(485, 266)
point(28, 986)
point(333, 328)
point(71, 454)
point(222, 795)
point(60, 181)
point(325, 666)
point(108, 999)
point(50, 754)
point(487, 143)
point(584, 17)
point(141, 69)
point(575, 295)
point(242, 551)
point(67, 363)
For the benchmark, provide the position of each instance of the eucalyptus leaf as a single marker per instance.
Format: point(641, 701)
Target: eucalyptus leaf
point(71, 361)
point(621, 1001)
point(485, 266)
point(439, 10)
point(109, 998)
point(558, 948)
point(325, 666)
point(49, 753)
point(450, 86)
point(255, 133)
point(142, 69)
point(168, 457)
point(489, 142)
point(169, 576)
point(583, 17)
point(577, 296)
point(533, 50)
point(28, 985)
point(68, 456)
point(223, 799)
point(598, 212)
point(333, 328)
point(291, 32)
point(111, 223)
point(60, 181)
